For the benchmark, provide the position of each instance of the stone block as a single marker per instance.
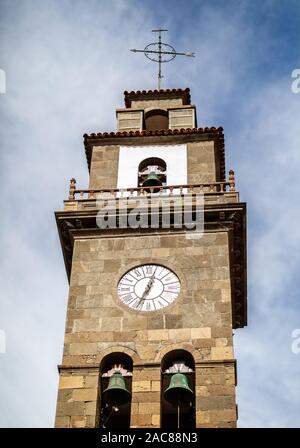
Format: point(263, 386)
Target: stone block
point(146, 397)
point(65, 395)
point(221, 332)
point(71, 382)
point(221, 342)
point(218, 353)
point(202, 418)
point(63, 422)
point(180, 334)
point(141, 386)
point(141, 420)
point(158, 335)
point(156, 322)
point(87, 325)
point(155, 386)
point(146, 374)
point(202, 391)
point(84, 394)
point(83, 349)
point(203, 343)
point(91, 408)
point(161, 252)
point(111, 324)
point(135, 324)
point(226, 295)
point(155, 420)
point(111, 265)
point(214, 403)
point(124, 336)
point(221, 390)
point(201, 333)
point(149, 408)
point(222, 415)
point(73, 408)
point(173, 321)
point(78, 422)
point(89, 301)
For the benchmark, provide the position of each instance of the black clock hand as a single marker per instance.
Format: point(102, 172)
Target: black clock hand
point(145, 293)
point(149, 286)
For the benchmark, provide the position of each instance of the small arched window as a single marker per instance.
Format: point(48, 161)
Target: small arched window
point(115, 388)
point(156, 119)
point(152, 168)
point(178, 390)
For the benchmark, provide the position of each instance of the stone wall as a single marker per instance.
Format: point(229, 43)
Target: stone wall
point(104, 167)
point(160, 104)
point(199, 321)
point(201, 162)
point(201, 165)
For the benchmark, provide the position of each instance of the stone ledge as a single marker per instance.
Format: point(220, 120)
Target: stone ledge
point(207, 363)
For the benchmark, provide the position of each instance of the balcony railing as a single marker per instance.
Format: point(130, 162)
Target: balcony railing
point(168, 190)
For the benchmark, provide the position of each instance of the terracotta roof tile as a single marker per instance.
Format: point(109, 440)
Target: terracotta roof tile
point(143, 133)
point(162, 93)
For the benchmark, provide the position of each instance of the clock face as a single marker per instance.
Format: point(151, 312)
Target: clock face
point(148, 287)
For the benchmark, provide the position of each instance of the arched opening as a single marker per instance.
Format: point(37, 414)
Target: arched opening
point(178, 390)
point(152, 169)
point(115, 389)
point(156, 119)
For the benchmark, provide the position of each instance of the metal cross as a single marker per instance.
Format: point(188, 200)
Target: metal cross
point(161, 52)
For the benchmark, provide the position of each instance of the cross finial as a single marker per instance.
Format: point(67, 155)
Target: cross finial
point(160, 52)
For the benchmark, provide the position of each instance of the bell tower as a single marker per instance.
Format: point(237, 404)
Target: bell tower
point(155, 253)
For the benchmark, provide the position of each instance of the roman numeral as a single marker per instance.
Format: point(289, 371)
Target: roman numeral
point(148, 269)
point(130, 280)
point(162, 302)
point(135, 304)
point(172, 287)
point(137, 273)
point(148, 306)
point(168, 296)
point(127, 298)
point(168, 279)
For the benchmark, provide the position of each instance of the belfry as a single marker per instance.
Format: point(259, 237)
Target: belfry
point(155, 253)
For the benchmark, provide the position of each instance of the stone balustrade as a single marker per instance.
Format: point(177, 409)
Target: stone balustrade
point(167, 190)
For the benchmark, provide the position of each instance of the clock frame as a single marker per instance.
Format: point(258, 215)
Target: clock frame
point(149, 287)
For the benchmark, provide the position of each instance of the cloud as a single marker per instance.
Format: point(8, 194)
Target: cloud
point(67, 64)
point(270, 143)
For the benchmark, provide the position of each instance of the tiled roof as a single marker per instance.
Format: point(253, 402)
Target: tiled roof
point(157, 94)
point(155, 132)
point(89, 139)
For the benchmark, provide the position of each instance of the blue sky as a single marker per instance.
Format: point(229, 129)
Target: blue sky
point(67, 64)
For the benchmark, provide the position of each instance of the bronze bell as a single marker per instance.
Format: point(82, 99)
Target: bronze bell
point(152, 181)
point(116, 392)
point(178, 390)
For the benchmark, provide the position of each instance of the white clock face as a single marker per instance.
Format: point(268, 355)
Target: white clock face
point(148, 287)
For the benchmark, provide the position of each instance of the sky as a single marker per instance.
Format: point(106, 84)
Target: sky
point(67, 64)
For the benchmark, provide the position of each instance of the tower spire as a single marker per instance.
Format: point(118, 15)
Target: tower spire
point(161, 52)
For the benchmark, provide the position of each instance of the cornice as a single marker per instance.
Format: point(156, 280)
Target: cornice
point(162, 137)
point(161, 94)
point(226, 217)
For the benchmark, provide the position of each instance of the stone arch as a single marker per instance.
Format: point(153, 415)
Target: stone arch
point(156, 119)
point(119, 348)
point(115, 383)
point(169, 348)
point(178, 386)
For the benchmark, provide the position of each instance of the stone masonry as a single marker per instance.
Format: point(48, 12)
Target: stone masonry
point(211, 270)
point(200, 321)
